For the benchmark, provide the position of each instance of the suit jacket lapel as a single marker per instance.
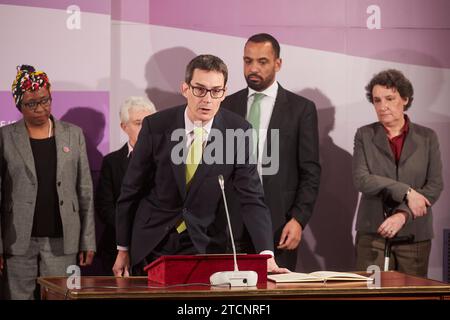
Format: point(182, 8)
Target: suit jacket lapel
point(178, 169)
point(124, 159)
point(62, 139)
point(22, 141)
point(276, 121)
point(122, 163)
point(380, 140)
point(409, 146)
point(278, 110)
point(241, 106)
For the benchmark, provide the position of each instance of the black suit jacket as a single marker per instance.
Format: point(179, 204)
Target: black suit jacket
point(113, 170)
point(154, 195)
point(292, 191)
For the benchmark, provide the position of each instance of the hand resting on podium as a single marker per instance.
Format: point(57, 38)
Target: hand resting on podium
point(272, 267)
point(122, 265)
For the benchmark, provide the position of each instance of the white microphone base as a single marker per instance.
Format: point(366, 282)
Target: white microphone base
point(234, 278)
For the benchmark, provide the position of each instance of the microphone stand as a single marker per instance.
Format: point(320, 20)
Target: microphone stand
point(234, 278)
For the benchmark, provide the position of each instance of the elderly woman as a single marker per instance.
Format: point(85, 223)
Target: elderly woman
point(47, 215)
point(397, 168)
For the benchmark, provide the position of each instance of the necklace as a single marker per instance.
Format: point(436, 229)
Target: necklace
point(50, 124)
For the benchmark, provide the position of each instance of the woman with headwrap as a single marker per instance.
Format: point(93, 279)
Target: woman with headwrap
point(46, 207)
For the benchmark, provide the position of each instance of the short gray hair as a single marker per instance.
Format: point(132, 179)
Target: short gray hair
point(135, 103)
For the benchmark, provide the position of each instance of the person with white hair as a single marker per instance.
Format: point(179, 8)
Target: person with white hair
point(132, 112)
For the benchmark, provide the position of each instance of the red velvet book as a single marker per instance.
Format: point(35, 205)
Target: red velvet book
point(170, 270)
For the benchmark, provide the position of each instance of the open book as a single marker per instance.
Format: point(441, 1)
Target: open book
point(318, 276)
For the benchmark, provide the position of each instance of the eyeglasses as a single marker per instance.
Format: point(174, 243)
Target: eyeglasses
point(200, 92)
point(45, 102)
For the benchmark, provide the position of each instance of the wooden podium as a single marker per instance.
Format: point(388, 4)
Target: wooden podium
point(394, 285)
point(187, 269)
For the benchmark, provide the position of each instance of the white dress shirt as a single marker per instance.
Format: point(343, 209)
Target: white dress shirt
point(190, 126)
point(130, 149)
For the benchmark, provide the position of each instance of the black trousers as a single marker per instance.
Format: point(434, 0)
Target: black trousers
point(107, 260)
point(284, 258)
point(173, 243)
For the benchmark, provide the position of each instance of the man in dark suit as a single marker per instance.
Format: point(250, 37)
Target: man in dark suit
point(287, 131)
point(170, 202)
point(114, 166)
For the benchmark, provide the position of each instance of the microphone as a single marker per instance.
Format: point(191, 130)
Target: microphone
point(234, 278)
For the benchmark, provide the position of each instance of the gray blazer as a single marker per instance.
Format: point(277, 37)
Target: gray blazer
point(377, 177)
point(19, 189)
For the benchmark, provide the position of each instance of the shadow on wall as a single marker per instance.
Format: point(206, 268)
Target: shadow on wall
point(93, 124)
point(329, 244)
point(164, 73)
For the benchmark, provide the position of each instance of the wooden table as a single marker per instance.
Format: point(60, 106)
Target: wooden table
point(394, 285)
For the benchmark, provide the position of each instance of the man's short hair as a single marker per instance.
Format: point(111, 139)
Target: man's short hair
point(265, 37)
point(135, 103)
point(206, 62)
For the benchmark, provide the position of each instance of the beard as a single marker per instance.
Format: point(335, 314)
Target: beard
point(259, 84)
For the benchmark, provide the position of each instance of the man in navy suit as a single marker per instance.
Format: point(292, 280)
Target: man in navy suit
point(290, 189)
point(170, 202)
point(114, 165)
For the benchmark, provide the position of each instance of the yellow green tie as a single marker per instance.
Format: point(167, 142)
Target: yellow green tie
point(193, 159)
point(194, 155)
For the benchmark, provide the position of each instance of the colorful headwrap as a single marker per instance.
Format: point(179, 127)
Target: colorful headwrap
point(28, 79)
